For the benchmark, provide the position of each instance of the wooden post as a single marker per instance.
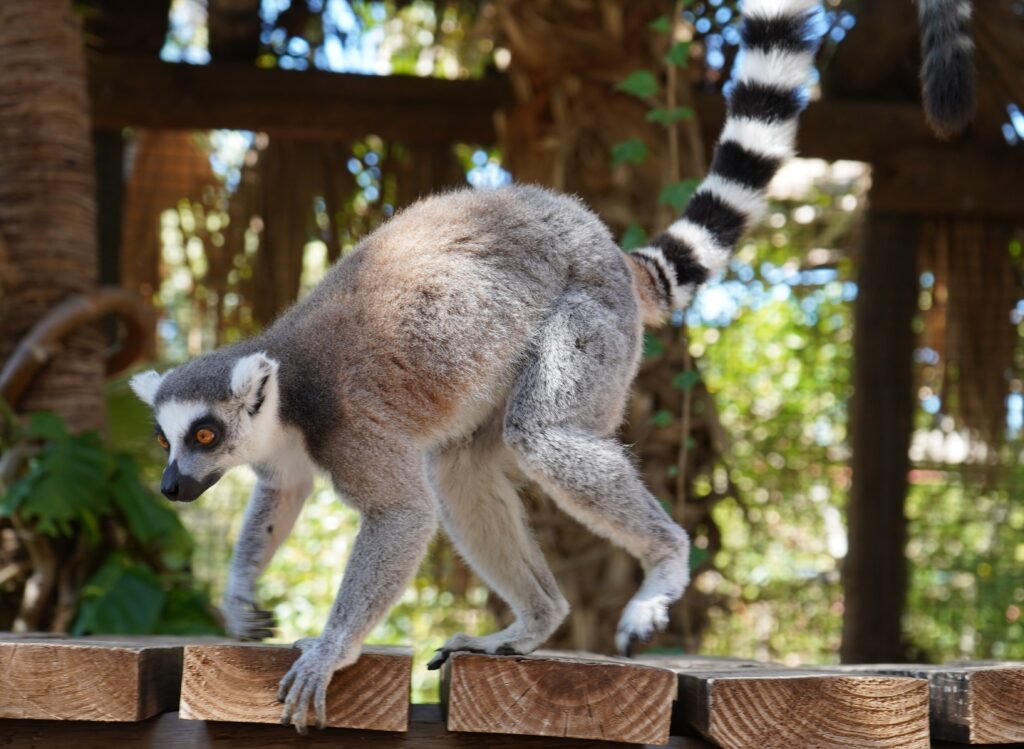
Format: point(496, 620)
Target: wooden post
point(554, 694)
point(971, 703)
point(742, 704)
point(88, 678)
point(238, 682)
point(875, 568)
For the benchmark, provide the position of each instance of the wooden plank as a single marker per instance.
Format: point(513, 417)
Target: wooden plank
point(169, 731)
point(143, 92)
point(89, 678)
point(742, 704)
point(972, 703)
point(572, 695)
point(238, 682)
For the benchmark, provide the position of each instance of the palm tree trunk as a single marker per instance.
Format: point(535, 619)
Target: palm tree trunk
point(48, 245)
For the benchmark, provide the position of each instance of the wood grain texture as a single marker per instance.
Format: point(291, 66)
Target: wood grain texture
point(94, 679)
point(238, 682)
point(972, 703)
point(558, 694)
point(742, 704)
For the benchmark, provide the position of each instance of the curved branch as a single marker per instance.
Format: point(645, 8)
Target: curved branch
point(42, 342)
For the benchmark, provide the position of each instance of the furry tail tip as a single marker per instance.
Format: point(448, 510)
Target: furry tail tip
point(947, 64)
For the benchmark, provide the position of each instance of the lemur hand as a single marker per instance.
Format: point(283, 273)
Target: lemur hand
point(246, 622)
point(305, 684)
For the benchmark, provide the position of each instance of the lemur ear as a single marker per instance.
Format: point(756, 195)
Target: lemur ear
point(252, 378)
point(145, 385)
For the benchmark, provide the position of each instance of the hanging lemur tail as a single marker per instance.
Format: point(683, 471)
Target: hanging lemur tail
point(768, 94)
point(947, 64)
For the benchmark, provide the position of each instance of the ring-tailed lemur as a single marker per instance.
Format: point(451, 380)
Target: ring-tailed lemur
point(947, 65)
point(476, 339)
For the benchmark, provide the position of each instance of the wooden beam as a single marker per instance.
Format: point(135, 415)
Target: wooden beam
point(570, 695)
point(972, 703)
point(169, 731)
point(88, 678)
point(143, 92)
point(238, 683)
point(740, 704)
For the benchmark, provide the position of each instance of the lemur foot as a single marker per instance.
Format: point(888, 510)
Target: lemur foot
point(640, 620)
point(499, 643)
point(305, 684)
point(246, 622)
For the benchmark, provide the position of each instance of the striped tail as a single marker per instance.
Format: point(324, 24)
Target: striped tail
point(947, 64)
point(768, 94)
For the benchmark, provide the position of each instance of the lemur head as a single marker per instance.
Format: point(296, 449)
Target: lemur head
point(216, 412)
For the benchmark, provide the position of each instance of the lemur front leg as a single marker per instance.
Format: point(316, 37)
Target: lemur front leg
point(273, 507)
point(398, 518)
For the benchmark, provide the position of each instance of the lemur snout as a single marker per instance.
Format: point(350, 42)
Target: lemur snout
point(179, 487)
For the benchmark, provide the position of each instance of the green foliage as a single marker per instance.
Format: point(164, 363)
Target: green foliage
point(634, 236)
point(641, 83)
point(678, 194)
point(678, 54)
point(75, 488)
point(669, 116)
point(661, 24)
point(686, 380)
point(633, 151)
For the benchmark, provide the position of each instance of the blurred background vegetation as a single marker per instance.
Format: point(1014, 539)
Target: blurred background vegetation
point(741, 417)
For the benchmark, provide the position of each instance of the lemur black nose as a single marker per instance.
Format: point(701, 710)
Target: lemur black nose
point(169, 484)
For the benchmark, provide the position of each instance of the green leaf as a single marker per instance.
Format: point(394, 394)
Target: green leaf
point(633, 151)
point(677, 194)
point(46, 425)
point(633, 237)
point(697, 556)
point(123, 597)
point(686, 380)
point(187, 611)
point(652, 345)
point(661, 24)
point(640, 83)
point(662, 418)
point(67, 482)
point(678, 54)
point(149, 519)
point(669, 116)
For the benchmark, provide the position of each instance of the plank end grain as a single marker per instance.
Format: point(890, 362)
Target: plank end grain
point(238, 683)
point(89, 679)
point(780, 708)
point(559, 694)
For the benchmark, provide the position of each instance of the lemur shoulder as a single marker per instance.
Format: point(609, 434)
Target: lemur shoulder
point(479, 338)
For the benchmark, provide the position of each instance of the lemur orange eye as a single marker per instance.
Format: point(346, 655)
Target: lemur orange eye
point(205, 436)
point(162, 441)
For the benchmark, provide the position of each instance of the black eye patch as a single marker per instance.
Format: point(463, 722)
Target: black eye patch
point(208, 422)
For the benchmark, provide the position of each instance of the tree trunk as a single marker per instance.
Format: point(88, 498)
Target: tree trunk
point(47, 201)
point(875, 570)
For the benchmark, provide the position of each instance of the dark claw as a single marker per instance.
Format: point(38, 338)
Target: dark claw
point(437, 660)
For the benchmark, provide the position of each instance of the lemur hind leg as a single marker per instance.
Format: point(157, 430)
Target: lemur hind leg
point(483, 515)
point(569, 397)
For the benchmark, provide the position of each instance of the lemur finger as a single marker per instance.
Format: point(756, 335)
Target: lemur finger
point(320, 701)
point(286, 682)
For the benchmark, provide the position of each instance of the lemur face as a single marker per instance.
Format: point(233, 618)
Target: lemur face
point(208, 427)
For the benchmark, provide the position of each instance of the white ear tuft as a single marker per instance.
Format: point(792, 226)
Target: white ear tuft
point(251, 379)
point(145, 385)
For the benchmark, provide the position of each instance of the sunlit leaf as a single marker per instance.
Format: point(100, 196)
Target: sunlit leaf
point(123, 597)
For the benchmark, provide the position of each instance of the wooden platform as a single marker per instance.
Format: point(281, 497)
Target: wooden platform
point(972, 703)
point(99, 679)
point(99, 692)
point(739, 704)
point(238, 682)
point(558, 694)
